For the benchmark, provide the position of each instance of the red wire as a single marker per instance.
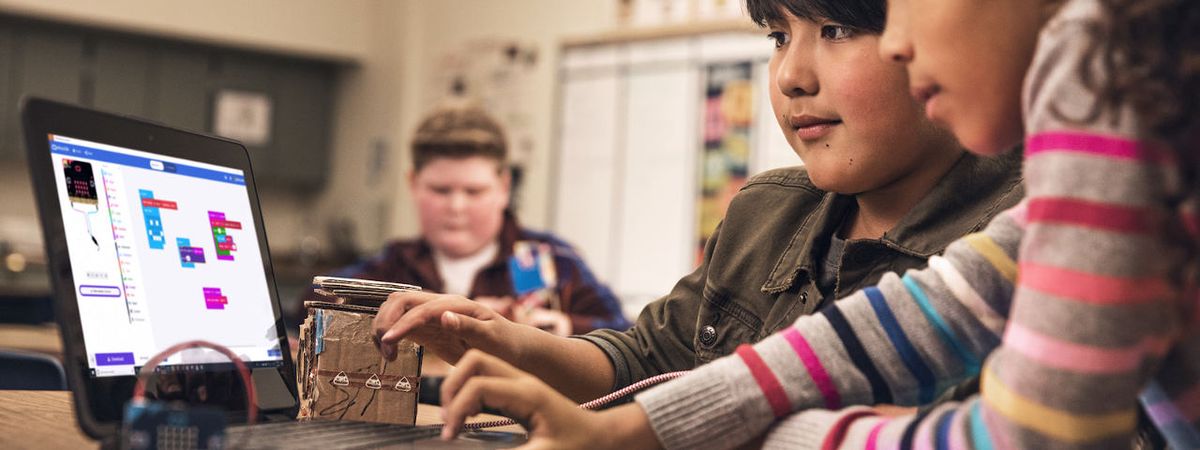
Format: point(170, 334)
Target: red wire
point(139, 389)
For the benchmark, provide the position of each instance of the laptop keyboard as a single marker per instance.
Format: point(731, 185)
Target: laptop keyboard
point(324, 434)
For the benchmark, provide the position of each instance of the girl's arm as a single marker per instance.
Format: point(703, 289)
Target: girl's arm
point(900, 342)
point(1095, 310)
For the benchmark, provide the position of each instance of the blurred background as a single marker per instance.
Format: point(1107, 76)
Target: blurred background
point(631, 122)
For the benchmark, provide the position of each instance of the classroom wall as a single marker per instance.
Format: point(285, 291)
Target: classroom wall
point(331, 31)
point(447, 25)
point(386, 48)
point(321, 28)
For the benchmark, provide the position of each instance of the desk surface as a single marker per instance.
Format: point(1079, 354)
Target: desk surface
point(46, 419)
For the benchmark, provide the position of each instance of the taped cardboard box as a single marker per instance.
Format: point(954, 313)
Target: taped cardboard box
point(342, 376)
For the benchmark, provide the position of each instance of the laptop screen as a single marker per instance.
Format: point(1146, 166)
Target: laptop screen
point(163, 250)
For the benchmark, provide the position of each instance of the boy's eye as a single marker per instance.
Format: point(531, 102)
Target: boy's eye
point(779, 37)
point(836, 32)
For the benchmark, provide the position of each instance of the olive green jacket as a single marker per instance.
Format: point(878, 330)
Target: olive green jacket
point(760, 268)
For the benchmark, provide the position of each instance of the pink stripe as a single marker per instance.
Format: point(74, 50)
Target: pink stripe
point(993, 424)
point(1094, 144)
point(772, 390)
point(1196, 314)
point(873, 436)
point(1060, 354)
point(820, 377)
point(1090, 214)
point(837, 433)
point(1091, 288)
point(923, 439)
point(1020, 214)
point(1191, 223)
point(1189, 403)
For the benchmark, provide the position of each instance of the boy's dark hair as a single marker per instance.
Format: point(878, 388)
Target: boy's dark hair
point(458, 130)
point(863, 15)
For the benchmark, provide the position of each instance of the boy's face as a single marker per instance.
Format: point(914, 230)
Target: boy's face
point(847, 113)
point(966, 63)
point(460, 203)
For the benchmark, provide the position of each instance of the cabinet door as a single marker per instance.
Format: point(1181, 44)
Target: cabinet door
point(121, 76)
point(49, 62)
point(302, 103)
point(9, 114)
point(181, 97)
point(46, 62)
point(251, 73)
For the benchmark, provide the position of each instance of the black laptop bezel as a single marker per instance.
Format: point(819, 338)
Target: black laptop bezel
point(42, 118)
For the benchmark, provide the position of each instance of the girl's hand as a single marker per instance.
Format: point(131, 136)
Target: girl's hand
point(552, 420)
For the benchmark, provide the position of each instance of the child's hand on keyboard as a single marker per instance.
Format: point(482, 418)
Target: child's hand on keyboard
point(553, 421)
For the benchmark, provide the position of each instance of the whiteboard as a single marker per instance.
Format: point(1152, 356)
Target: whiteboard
point(585, 207)
point(628, 141)
point(657, 186)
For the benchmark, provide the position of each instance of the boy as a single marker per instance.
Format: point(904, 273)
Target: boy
point(882, 190)
point(461, 186)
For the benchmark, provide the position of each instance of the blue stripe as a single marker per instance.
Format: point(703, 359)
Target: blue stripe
point(969, 360)
point(980, 438)
point(1180, 434)
point(908, 354)
point(880, 392)
point(943, 431)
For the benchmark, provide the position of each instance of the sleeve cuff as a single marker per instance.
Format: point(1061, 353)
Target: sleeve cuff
point(615, 357)
point(705, 410)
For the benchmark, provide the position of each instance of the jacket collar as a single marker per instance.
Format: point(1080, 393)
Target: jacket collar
point(936, 221)
point(420, 256)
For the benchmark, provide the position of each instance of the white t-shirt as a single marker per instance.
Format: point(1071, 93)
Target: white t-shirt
point(459, 273)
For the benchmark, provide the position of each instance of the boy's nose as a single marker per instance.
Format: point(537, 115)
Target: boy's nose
point(795, 77)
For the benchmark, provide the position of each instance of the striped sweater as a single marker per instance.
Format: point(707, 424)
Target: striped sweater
point(1101, 314)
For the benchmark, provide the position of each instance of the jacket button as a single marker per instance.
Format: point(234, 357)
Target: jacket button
point(804, 297)
point(708, 335)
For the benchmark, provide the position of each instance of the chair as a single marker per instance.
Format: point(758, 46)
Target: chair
point(30, 371)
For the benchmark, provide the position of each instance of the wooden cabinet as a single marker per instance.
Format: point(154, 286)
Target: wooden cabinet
point(120, 75)
point(41, 62)
point(174, 83)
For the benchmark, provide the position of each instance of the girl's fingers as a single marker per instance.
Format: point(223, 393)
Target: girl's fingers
point(475, 363)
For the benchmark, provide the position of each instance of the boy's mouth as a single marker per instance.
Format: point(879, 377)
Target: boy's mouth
point(808, 127)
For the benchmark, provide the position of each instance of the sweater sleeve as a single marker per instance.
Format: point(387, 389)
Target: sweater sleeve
point(900, 342)
point(1095, 310)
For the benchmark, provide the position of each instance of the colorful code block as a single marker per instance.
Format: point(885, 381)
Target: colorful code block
point(221, 238)
point(214, 299)
point(151, 212)
point(189, 256)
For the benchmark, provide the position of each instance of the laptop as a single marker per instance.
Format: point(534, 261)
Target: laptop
point(154, 236)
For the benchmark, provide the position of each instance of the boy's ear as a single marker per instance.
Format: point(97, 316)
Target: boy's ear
point(506, 179)
point(412, 180)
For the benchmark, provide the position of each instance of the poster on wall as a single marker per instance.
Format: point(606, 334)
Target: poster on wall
point(724, 164)
point(499, 74)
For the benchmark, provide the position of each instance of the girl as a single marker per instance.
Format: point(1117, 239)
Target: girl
point(1105, 307)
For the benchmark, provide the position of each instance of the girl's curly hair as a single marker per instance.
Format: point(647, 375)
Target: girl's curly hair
point(1149, 56)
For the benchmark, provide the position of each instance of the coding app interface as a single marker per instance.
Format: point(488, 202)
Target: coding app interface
point(163, 251)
